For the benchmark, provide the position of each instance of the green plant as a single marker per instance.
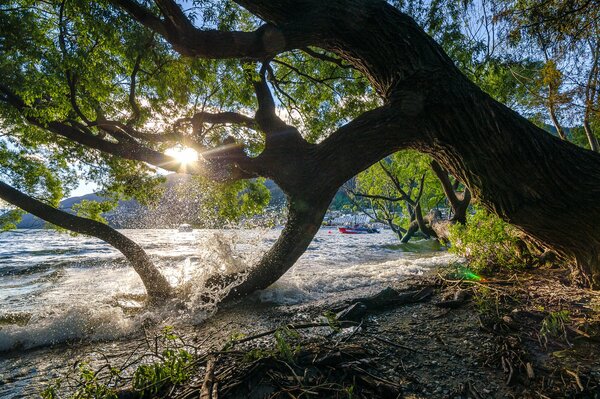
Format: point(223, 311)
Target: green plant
point(88, 383)
point(51, 391)
point(257, 354)
point(232, 340)
point(486, 302)
point(487, 242)
point(283, 348)
point(332, 320)
point(554, 325)
point(349, 390)
point(174, 367)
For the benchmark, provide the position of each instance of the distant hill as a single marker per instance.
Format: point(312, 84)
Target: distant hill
point(172, 210)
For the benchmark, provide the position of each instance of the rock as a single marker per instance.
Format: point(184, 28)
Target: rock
point(354, 312)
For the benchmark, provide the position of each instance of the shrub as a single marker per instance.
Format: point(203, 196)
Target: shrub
point(488, 243)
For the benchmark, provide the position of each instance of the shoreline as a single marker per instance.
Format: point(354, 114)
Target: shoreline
point(467, 339)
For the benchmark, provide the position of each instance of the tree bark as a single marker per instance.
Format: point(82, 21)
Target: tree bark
point(554, 118)
point(304, 220)
point(155, 283)
point(592, 139)
point(413, 227)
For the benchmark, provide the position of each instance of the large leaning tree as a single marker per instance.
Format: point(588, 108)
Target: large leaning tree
point(124, 80)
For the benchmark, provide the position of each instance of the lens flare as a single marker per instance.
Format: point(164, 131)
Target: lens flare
point(183, 155)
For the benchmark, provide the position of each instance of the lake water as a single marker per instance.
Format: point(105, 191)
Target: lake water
point(55, 288)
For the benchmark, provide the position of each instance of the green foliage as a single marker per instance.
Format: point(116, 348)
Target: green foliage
point(52, 390)
point(89, 386)
point(487, 242)
point(332, 320)
point(233, 201)
point(554, 325)
point(9, 219)
point(564, 37)
point(283, 348)
point(94, 209)
point(408, 166)
point(174, 366)
point(349, 390)
point(74, 62)
point(232, 339)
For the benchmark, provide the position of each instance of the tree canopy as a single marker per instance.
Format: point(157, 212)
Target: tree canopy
point(306, 93)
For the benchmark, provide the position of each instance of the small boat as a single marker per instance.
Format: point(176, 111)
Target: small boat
point(185, 228)
point(357, 230)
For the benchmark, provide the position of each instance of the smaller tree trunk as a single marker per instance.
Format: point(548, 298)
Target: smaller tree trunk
point(594, 146)
point(422, 223)
point(459, 203)
point(155, 283)
point(413, 227)
point(554, 118)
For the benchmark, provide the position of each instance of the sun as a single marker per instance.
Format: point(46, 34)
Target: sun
point(183, 155)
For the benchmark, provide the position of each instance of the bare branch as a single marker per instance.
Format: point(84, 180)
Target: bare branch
point(380, 197)
point(421, 186)
point(325, 57)
point(142, 15)
point(394, 180)
point(220, 118)
point(136, 113)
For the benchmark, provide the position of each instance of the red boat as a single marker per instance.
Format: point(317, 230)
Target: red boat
point(357, 230)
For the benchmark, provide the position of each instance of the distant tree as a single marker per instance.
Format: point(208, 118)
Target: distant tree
point(398, 191)
point(402, 192)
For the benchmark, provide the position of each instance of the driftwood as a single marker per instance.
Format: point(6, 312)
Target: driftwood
point(385, 299)
point(208, 390)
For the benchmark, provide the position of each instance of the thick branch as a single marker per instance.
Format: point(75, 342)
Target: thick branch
point(459, 205)
point(264, 43)
point(380, 197)
point(135, 108)
point(325, 57)
point(156, 285)
point(377, 133)
point(266, 115)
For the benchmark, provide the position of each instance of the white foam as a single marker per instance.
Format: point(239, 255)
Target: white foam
point(75, 323)
point(303, 283)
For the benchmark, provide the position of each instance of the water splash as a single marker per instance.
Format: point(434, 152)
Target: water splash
point(117, 308)
point(108, 295)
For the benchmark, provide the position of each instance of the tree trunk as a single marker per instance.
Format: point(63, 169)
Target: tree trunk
point(413, 227)
point(156, 285)
point(459, 205)
point(592, 139)
point(304, 220)
point(559, 129)
point(546, 187)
